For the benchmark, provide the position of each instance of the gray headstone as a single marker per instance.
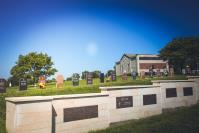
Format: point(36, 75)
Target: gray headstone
point(75, 79)
point(23, 85)
point(2, 86)
point(89, 78)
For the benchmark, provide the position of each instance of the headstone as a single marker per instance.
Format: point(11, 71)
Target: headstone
point(101, 77)
point(183, 71)
point(75, 79)
point(42, 81)
point(151, 71)
point(188, 70)
point(2, 86)
point(134, 75)
point(124, 76)
point(113, 76)
point(171, 72)
point(165, 72)
point(158, 73)
point(23, 85)
point(59, 81)
point(89, 78)
point(142, 74)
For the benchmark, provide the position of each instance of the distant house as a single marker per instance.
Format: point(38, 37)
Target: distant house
point(140, 62)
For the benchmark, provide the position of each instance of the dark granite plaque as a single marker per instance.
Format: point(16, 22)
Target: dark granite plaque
point(188, 91)
point(80, 113)
point(89, 78)
point(124, 102)
point(2, 86)
point(101, 77)
point(149, 99)
point(23, 84)
point(171, 92)
point(75, 79)
point(113, 76)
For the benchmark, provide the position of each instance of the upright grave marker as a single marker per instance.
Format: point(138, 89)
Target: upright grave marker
point(59, 81)
point(158, 73)
point(23, 85)
point(124, 76)
point(75, 79)
point(171, 72)
point(89, 78)
point(2, 86)
point(101, 77)
point(42, 81)
point(142, 75)
point(113, 76)
point(134, 74)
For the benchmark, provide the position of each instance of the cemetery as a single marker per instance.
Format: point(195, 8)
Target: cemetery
point(124, 98)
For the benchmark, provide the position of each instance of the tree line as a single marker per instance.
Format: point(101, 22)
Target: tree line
point(181, 53)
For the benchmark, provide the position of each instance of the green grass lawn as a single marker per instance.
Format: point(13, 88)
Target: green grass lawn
point(67, 89)
point(181, 120)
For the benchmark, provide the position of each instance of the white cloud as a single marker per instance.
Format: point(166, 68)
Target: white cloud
point(92, 49)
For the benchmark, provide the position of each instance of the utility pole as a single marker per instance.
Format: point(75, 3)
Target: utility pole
point(197, 68)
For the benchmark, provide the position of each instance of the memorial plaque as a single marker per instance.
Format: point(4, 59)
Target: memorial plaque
point(188, 91)
point(2, 86)
point(113, 76)
point(59, 81)
point(75, 79)
point(149, 99)
point(80, 113)
point(124, 102)
point(89, 78)
point(101, 77)
point(171, 92)
point(23, 84)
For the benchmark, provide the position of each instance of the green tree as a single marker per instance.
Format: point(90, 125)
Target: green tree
point(181, 52)
point(96, 73)
point(33, 65)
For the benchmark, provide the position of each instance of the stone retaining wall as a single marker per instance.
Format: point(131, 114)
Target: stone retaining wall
point(81, 113)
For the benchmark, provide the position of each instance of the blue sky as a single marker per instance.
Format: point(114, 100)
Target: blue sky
point(91, 35)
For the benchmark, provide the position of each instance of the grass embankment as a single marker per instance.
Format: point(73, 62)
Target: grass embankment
point(181, 120)
point(67, 89)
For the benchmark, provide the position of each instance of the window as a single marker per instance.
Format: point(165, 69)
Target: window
point(188, 91)
point(149, 99)
point(171, 92)
point(150, 58)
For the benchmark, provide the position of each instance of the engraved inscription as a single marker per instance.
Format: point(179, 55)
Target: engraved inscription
point(80, 113)
point(124, 102)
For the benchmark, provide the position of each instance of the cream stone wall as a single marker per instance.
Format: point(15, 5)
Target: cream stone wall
point(138, 110)
point(45, 114)
point(180, 100)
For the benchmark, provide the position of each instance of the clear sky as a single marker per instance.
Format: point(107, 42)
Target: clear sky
point(91, 34)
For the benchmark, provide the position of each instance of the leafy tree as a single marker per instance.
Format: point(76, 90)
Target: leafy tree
point(96, 73)
point(84, 74)
point(109, 72)
point(181, 52)
point(32, 66)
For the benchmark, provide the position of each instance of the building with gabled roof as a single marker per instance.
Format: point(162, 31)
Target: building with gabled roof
point(140, 62)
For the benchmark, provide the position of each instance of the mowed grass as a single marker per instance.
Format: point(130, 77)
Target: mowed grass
point(67, 89)
point(181, 120)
